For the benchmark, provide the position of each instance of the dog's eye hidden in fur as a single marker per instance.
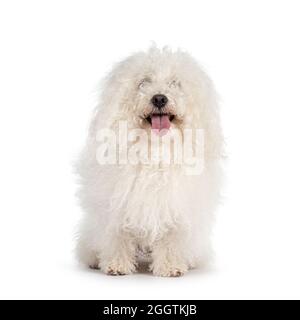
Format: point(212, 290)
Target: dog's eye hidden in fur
point(144, 82)
point(150, 172)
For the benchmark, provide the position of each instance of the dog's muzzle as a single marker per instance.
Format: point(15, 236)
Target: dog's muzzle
point(160, 119)
point(159, 100)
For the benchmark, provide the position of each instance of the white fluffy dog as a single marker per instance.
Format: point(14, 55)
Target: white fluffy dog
point(151, 207)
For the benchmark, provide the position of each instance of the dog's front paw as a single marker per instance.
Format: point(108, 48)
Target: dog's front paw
point(115, 272)
point(117, 267)
point(166, 270)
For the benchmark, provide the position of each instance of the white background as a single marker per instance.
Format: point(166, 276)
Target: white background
point(52, 54)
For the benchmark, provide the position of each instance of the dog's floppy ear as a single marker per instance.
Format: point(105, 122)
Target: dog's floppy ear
point(214, 138)
point(109, 95)
point(210, 119)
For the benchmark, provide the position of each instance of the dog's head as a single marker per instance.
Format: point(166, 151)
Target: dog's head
point(159, 89)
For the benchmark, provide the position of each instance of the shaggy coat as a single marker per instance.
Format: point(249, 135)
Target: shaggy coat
point(150, 207)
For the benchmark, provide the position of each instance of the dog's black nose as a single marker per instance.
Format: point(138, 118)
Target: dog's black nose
point(159, 100)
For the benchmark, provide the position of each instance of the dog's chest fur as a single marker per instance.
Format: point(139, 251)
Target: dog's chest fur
point(148, 201)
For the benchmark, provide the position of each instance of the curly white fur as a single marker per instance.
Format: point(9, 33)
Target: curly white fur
point(149, 207)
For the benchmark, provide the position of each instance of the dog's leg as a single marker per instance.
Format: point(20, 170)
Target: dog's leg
point(168, 259)
point(118, 256)
point(86, 255)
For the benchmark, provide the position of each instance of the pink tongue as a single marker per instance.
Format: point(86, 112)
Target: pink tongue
point(160, 122)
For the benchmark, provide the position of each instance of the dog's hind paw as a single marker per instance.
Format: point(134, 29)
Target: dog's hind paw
point(176, 273)
point(94, 266)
